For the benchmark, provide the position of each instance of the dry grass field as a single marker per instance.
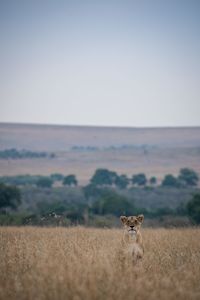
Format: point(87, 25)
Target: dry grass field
point(80, 263)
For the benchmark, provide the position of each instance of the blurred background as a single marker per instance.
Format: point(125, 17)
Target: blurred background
point(99, 112)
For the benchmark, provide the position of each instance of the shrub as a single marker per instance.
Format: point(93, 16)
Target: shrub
point(193, 208)
point(153, 180)
point(20, 179)
point(171, 181)
point(44, 182)
point(122, 181)
point(103, 177)
point(112, 203)
point(91, 191)
point(10, 197)
point(20, 154)
point(57, 177)
point(14, 219)
point(58, 207)
point(139, 179)
point(70, 180)
point(188, 177)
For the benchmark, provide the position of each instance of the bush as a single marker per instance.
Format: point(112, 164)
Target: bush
point(75, 212)
point(70, 180)
point(58, 207)
point(20, 179)
point(57, 177)
point(112, 203)
point(193, 208)
point(107, 221)
point(103, 177)
point(171, 181)
point(91, 191)
point(44, 182)
point(153, 180)
point(12, 219)
point(10, 197)
point(20, 154)
point(139, 179)
point(122, 181)
point(188, 177)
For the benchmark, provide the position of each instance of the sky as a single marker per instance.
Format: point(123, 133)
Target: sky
point(111, 63)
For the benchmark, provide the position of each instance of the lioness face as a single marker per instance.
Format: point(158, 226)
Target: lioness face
point(132, 224)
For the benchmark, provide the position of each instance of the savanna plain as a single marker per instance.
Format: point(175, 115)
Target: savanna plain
point(85, 263)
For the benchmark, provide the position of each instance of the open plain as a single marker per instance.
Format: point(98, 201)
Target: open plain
point(80, 150)
point(81, 263)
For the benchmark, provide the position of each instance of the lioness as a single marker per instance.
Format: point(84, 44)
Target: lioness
point(132, 238)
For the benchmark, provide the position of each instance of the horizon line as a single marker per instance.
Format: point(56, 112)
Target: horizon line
point(100, 126)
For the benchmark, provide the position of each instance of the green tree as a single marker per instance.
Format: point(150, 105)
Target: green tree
point(70, 180)
point(122, 181)
point(103, 177)
point(188, 177)
point(171, 181)
point(44, 182)
point(91, 191)
point(46, 208)
point(112, 203)
point(139, 179)
point(153, 180)
point(10, 197)
point(193, 208)
point(57, 177)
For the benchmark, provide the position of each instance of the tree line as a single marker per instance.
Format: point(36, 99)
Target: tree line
point(101, 195)
point(19, 154)
point(186, 177)
point(105, 177)
point(95, 201)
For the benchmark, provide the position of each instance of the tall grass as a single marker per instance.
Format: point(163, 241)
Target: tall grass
point(80, 263)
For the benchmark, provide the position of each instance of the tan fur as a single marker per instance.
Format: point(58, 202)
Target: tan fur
point(132, 243)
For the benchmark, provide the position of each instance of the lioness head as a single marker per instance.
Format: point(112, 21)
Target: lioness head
point(132, 224)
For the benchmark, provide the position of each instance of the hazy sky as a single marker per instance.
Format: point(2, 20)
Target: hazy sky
point(125, 63)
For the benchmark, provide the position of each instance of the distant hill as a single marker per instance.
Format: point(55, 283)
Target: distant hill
point(61, 138)
point(81, 149)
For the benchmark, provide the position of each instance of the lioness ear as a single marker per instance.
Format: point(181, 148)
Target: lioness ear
point(123, 219)
point(140, 218)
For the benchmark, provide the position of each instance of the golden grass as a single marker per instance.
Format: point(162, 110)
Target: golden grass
point(80, 263)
